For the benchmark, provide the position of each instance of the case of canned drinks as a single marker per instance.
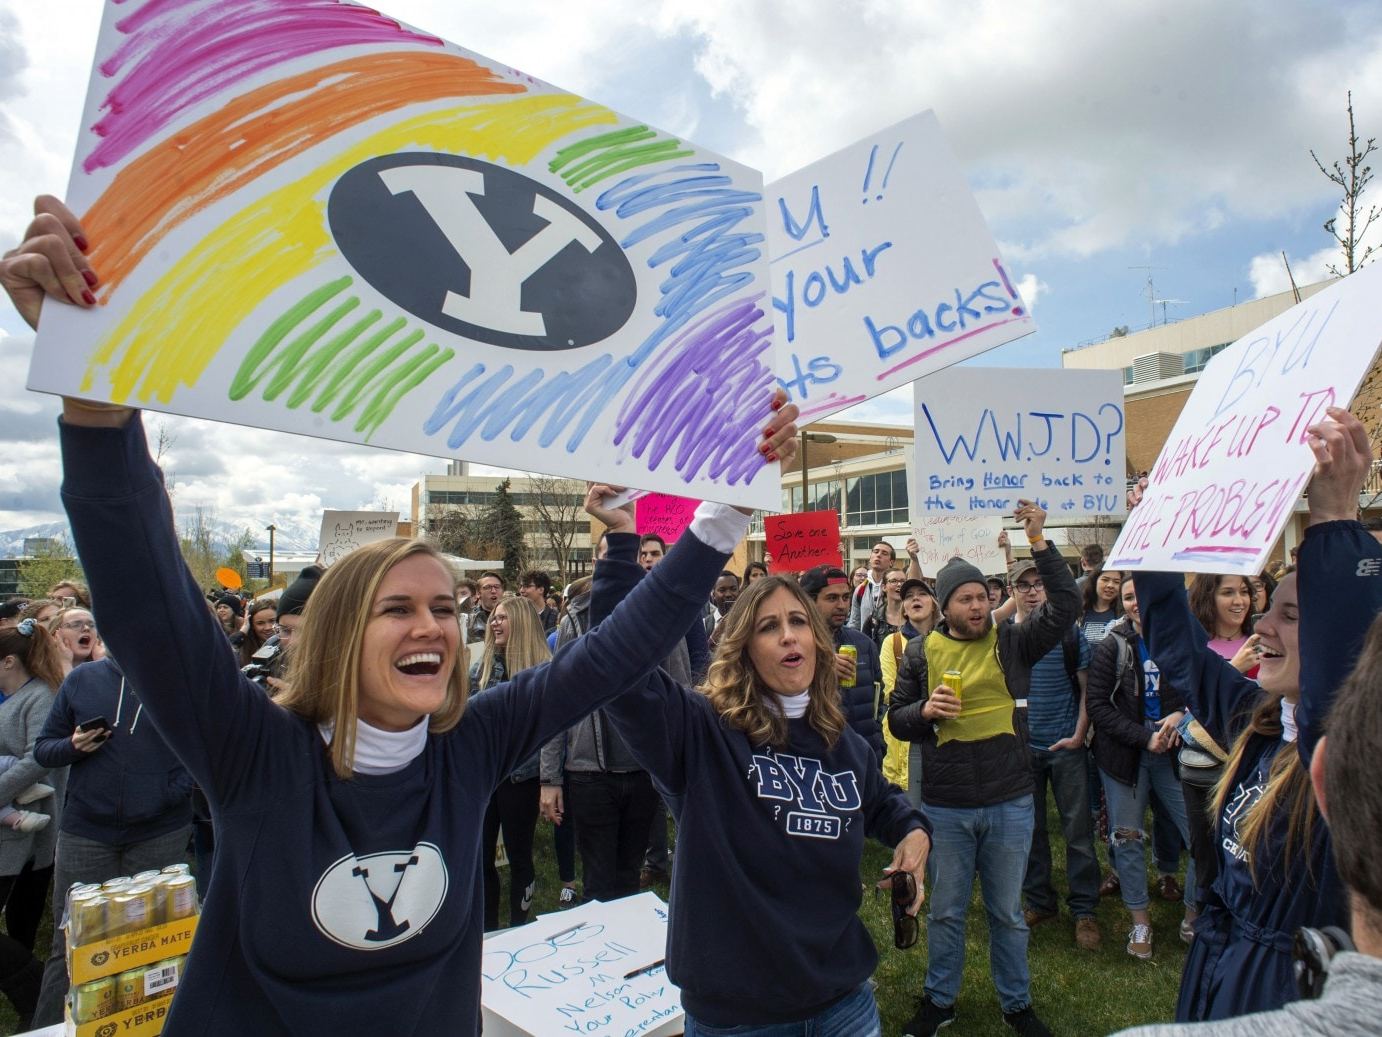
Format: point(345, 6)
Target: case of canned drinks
point(127, 942)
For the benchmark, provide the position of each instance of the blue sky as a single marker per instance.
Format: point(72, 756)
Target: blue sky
point(1172, 134)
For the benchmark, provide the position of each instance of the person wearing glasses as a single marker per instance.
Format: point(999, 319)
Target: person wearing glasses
point(773, 794)
point(75, 629)
point(888, 615)
point(1056, 727)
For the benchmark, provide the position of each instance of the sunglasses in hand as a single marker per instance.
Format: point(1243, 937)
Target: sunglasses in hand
point(904, 894)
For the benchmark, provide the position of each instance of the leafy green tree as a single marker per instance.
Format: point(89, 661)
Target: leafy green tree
point(502, 526)
point(52, 563)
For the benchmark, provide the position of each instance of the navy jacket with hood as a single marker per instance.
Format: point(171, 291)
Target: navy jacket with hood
point(133, 788)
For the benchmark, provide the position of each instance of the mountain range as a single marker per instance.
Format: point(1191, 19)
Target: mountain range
point(286, 537)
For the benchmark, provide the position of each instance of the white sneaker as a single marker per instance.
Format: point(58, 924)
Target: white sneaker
point(31, 822)
point(566, 898)
point(35, 792)
point(1187, 931)
point(1140, 942)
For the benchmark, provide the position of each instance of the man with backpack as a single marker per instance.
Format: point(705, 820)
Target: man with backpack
point(1056, 728)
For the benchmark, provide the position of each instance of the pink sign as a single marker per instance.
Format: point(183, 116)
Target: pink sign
point(663, 514)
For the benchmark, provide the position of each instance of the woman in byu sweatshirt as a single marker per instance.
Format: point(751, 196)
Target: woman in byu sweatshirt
point(773, 795)
point(346, 895)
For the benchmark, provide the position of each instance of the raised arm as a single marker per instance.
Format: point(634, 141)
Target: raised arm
point(1213, 690)
point(1340, 562)
point(1045, 627)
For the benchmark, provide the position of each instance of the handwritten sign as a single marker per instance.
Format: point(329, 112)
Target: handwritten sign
point(346, 227)
point(988, 436)
point(596, 969)
point(971, 537)
point(665, 515)
point(883, 270)
point(1229, 476)
point(345, 531)
point(804, 541)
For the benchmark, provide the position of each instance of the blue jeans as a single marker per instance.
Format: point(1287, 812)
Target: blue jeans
point(1067, 775)
point(853, 1016)
point(1127, 807)
point(994, 841)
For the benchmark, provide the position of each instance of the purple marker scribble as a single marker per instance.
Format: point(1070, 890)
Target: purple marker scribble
point(1213, 550)
point(946, 345)
point(181, 52)
point(708, 395)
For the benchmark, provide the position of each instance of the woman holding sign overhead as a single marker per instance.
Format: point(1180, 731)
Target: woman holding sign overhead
point(1276, 872)
point(346, 894)
point(773, 794)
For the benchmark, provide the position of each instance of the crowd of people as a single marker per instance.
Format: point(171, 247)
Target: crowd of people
point(341, 759)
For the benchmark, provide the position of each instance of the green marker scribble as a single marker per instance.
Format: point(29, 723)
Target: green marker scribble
point(320, 369)
point(609, 154)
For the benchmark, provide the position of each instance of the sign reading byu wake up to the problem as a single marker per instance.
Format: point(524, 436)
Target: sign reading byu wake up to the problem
point(349, 228)
point(987, 437)
point(1238, 459)
point(883, 270)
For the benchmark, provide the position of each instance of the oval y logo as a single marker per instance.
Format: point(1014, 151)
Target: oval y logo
point(482, 251)
point(376, 901)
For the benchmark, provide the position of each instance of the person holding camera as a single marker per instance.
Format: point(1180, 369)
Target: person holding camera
point(129, 799)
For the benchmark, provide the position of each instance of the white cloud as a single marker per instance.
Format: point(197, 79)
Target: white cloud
point(1268, 273)
point(1031, 288)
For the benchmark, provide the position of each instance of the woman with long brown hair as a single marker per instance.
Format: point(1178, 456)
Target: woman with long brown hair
point(345, 894)
point(1276, 872)
point(767, 784)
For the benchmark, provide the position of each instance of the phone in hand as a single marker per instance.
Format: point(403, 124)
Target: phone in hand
point(95, 724)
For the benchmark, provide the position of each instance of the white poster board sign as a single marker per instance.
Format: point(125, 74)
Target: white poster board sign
point(596, 969)
point(345, 531)
point(987, 436)
point(348, 228)
point(1237, 460)
point(883, 270)
point(974, 538)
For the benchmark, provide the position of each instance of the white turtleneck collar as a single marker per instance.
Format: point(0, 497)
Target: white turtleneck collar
point(1288, 721)
point(793, 706)
point(382, 752)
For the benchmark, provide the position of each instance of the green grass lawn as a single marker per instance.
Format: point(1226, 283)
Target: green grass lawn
point(1077, 993)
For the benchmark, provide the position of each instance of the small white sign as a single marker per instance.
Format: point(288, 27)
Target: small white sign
point(988, 436)
point(346, 531)
point(597, 969)
point(1228, 478)
point(971, 537)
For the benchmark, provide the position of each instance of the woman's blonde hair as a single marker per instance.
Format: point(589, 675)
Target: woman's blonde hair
point(527, 644)
point(738, 694)
point(324, 664)
point(1288, 792)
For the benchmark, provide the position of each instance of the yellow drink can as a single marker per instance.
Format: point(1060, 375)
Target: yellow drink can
point(851, 653)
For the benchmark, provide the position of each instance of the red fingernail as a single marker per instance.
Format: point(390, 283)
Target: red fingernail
point(89, 276)
point(777, 404)
point(772, 457)
point(768, 432)
point(763, 448)
point(80, 242)
point(87, 297)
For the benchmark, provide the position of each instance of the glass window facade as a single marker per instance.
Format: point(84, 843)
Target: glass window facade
point(877, 500)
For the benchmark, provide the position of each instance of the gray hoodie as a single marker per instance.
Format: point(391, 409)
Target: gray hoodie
point(1347, 1008)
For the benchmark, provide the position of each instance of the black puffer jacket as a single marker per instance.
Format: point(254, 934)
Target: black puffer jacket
point(1113, 698)
point(994, 770)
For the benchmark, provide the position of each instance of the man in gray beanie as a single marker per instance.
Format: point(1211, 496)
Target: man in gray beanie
point(976, 784)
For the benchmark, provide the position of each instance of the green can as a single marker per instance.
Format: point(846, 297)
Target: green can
point(129, 989)
point(93, 1000)
point(852, 654)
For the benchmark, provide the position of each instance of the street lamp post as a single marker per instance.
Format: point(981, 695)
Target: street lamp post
point(272, 529)
point(810, 437)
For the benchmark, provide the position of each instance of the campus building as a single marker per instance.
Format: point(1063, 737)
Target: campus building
point(561, 499)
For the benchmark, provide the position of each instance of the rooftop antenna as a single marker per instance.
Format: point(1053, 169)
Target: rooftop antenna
point(1163, 303)
point(1295, 292)
point(1150, 289)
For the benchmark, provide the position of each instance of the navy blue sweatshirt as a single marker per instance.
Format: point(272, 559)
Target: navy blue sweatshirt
point(133, 788)
point(1240, 961)
point(764, 923)
point(335, 906)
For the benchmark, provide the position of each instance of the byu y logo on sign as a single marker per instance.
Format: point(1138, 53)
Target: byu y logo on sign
point(482, 251)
